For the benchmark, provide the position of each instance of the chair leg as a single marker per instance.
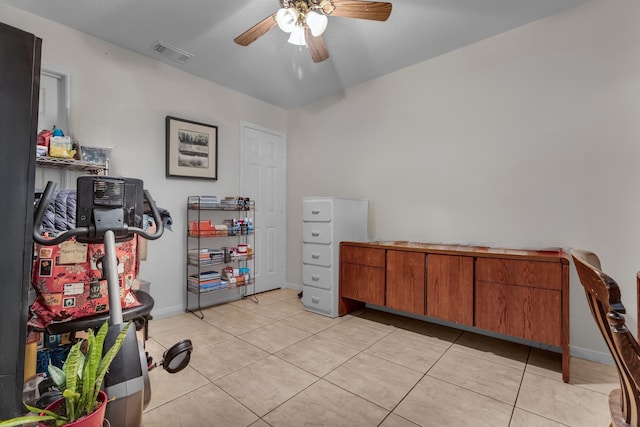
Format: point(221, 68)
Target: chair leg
point(615, 408)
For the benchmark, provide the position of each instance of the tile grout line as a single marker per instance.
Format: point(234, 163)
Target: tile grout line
point(515, 402)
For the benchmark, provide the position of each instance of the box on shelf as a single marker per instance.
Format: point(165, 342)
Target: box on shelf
point(98, 155)
point(207, 229)
point(61, 146)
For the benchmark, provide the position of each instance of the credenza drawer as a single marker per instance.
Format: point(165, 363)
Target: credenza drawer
point(538, 274)
point(362, 256)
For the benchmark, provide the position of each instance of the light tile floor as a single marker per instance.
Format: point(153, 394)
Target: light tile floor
point(275, 364)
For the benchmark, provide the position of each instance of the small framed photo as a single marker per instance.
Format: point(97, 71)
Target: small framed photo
point(192, 149)
point(45, 267)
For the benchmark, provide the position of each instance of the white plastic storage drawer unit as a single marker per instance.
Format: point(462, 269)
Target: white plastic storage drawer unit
point(327, 221)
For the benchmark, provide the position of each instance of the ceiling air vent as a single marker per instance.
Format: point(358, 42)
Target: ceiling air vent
point(170, 52)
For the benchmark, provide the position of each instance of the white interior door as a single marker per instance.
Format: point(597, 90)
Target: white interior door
point(263, 178)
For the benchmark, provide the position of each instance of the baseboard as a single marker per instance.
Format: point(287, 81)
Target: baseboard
point(593, 355)
point(293, 286)
point(167, 311)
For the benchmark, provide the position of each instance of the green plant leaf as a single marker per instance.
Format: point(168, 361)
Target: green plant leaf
point(71, 367)
point(25, 420)
point(103, 367)
point(29, 419)
point(58, 376)
point(88, 374)
point(100, 336)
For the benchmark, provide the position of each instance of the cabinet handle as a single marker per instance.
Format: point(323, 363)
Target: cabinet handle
point(315, 233)
point(315, 300)
point(315, 211)
point(315, 277)
point(315, 256)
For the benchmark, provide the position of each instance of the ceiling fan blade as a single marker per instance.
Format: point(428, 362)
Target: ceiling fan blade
point(374, 10)
point(316, 45)
point(257, 31)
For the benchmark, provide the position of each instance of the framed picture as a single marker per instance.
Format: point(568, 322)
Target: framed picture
point(192, 149)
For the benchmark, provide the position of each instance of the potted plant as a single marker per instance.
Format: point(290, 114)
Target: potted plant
point(80, 380)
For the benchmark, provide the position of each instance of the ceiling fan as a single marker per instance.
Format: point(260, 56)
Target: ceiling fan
point(306, 20)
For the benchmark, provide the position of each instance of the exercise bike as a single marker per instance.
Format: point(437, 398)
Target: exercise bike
point(110, 210)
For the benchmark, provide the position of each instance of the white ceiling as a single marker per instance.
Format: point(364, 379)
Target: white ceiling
point(280, 73)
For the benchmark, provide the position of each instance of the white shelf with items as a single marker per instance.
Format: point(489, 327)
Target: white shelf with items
point(220, 255)
point(65, 171)
point(72, 164)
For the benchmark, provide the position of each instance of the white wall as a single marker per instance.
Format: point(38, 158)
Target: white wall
point(526, 139)
point(120, 100)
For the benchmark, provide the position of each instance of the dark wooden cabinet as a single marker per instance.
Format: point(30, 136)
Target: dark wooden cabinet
point(406, 280)
point(362, 275)
point(514, 292)
point(450, 288)
point(520, 298)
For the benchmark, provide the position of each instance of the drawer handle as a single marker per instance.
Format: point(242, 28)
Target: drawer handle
point(315, 277)
point(315, 211)
point(315, 300)
point(315, 233)
point(315, 256)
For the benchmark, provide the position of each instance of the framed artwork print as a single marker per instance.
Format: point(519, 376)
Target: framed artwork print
point(192, 149)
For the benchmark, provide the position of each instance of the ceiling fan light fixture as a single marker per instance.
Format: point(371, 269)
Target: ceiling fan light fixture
point(287, 19)
point(306, 21)
point(317, 23)
point(297, 36)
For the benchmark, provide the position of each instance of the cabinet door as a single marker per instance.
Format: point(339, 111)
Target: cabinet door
point(526, 312)
point(450, 288)
point(520, 298)
point(498, 308)
point(406, 281)
point(362, 283)
point(542, 315)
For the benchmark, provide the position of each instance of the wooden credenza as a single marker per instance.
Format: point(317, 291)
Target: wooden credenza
point(513, 292)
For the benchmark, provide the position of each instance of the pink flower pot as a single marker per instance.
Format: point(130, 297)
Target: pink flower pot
point(94, 419)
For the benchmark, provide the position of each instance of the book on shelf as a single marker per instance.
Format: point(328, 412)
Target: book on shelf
point(206, 275)
point(220, 284)
point(204, 202)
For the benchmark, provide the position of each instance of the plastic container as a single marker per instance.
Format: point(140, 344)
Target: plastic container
point(98, 155)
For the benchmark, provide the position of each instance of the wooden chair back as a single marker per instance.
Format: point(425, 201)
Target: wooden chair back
point(603, 296)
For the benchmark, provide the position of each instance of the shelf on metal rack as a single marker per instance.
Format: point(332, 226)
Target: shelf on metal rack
point(206, 290)
point(70, 164)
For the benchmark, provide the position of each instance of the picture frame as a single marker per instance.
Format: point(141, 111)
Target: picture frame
point(192, 149)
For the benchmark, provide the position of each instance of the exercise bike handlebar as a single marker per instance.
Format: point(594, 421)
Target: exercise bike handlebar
point(45, 200)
